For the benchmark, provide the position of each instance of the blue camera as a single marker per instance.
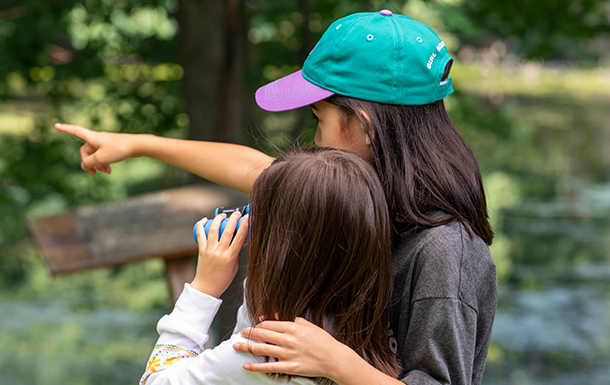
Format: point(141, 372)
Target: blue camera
point(227, 210)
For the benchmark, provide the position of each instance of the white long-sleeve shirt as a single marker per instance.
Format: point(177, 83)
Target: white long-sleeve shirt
point(179, 357)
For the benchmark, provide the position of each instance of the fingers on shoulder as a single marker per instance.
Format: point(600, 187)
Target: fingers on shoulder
point(278, 326)
point(273, 367)
point(302, 321)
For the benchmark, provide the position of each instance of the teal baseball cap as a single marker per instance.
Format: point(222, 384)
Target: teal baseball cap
point(375, 56)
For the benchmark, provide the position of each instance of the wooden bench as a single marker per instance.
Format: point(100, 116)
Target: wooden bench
point(154, 225)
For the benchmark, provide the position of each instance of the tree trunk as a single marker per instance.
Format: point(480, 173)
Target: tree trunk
point(213, 54)
point(213, 47)
point(303, 113)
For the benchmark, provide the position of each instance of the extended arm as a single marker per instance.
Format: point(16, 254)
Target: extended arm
point(227, 164)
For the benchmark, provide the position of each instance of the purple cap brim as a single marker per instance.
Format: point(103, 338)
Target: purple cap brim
point(290, 92)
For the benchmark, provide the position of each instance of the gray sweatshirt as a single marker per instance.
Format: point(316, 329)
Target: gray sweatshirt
point(444, 302)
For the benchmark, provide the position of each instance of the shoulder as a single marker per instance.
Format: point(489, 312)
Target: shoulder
point(223, 365)
point(225, 362)
point(445, 246)
point(444, 262)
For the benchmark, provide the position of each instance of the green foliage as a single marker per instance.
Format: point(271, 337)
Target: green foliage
point(553, 29)
point(284, 32)
point(107, 65)
point(93, 327)
point(113, 65)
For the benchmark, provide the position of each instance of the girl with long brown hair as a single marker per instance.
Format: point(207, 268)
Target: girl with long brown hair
point(319, 250)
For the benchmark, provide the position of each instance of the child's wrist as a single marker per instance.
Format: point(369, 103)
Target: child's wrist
point(205, 287)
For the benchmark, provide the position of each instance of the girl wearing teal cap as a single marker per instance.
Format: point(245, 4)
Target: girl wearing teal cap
point(376, 82)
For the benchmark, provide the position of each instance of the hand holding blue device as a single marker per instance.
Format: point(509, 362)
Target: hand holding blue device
point(227, 210)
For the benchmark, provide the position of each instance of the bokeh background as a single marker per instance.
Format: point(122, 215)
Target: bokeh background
point(532, 97)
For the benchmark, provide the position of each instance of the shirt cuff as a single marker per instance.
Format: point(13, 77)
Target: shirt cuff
point(196, 307)
point(192, 315)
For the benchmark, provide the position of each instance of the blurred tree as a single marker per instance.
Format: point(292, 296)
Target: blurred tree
point(188, 68)
point(105, 64)
point(212, 40)
point(575, 30)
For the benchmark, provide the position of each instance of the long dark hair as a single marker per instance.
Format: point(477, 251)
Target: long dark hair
point(424, 164)
point(320, 248)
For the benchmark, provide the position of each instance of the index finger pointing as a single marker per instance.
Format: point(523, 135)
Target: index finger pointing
point(78, 131)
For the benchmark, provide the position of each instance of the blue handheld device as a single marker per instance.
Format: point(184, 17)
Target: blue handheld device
point(227, 210)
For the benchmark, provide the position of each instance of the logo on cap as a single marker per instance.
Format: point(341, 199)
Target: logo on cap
point(431, 60)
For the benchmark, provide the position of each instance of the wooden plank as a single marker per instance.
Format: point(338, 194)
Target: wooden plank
point(151, 225)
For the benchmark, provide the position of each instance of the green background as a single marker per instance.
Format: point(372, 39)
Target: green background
point(532, 98)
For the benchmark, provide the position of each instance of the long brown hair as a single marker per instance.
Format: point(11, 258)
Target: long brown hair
point(320, 248)
point(424, 164)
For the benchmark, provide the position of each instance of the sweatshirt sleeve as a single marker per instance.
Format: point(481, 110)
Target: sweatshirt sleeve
point(441, 340)
point(446, 309)
point(182, 333)
point(180, 358)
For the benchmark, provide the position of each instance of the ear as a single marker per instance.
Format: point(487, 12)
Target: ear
point(365, 115)
point(368, 120)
